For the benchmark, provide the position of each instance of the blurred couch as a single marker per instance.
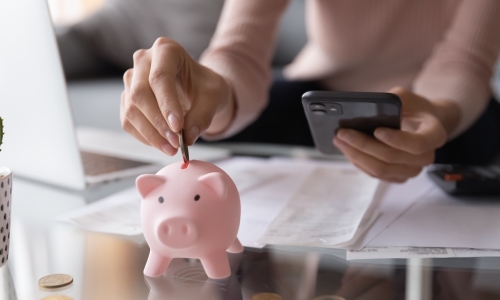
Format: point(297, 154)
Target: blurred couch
point(103, 44)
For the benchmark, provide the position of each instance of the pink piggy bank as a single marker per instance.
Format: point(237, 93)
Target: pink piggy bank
point(191, 211)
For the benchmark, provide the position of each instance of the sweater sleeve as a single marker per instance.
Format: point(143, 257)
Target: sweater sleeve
point(241, 52)
point(461, 65)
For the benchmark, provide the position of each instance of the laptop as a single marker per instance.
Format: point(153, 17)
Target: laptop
point(40, 142)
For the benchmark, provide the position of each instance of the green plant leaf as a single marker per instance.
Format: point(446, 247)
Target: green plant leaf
point(1, 133)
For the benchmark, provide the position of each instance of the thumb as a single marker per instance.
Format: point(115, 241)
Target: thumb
point(198, 118)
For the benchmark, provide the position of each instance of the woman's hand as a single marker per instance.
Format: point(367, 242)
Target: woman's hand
point(397, 155)
point(166, 91)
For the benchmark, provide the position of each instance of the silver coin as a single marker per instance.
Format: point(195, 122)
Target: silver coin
point(184, 147)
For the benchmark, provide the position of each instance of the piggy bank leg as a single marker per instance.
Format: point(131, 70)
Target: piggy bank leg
point(156, 264)
point(235, 247)
point(216, 265)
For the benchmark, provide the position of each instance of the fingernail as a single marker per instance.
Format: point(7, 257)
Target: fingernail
point(345, 135)
point(167, 148)
point(339, 143)
point(173, 139)
point(173, 122)
point(194, 133)
point(381, 134)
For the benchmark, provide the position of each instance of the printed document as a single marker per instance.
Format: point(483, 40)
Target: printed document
point(327, 209)
point(264, 190)
point(440, 220)
point(418, 252)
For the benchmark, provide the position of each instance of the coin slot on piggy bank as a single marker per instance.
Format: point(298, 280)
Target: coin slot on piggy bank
point(198, 216)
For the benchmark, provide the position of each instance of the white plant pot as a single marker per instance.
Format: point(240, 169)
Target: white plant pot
point(5, 208)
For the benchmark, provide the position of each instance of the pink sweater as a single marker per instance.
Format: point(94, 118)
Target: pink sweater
point(440, 49)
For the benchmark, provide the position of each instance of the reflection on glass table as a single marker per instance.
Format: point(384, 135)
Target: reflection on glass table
point(110, 267)
point(186, 279)
point(7, 290)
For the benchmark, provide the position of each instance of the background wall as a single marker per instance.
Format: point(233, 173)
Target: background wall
point(67, 12)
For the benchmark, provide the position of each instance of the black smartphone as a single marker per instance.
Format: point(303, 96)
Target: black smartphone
point(327, 112)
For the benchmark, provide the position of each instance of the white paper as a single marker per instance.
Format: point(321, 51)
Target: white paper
point(372, 216)
point(117, 214)
point(259, 207)
point(249, 172)
point(439, 220)
point(368, 220)
point(417, 252)
point(327, 209)
point(264, 187)
point(120, 213)
point(397, 252)
point(393, 200)
point(466, 252)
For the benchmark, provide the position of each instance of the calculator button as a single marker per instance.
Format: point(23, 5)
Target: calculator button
point(453, 177)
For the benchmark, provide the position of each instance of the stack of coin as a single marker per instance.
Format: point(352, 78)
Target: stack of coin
point(57, 297)
point(329, 297)
point(55, 281)
point(266, 296)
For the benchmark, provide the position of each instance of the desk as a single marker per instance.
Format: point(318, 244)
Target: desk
point(110, 267)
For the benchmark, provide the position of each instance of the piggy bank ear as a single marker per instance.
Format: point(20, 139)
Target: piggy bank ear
point(216, 182)
point(148, 182)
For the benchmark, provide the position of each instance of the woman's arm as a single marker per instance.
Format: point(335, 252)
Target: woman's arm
point(460, 69)
point(450, 93)
point(241, 52)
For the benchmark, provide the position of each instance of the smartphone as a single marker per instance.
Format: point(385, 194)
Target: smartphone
point(327, 112)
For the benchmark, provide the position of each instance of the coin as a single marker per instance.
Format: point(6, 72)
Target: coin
point(55, 281)
point(266, 296)
point(329, 297)
point(184, 147)
point(57, 297)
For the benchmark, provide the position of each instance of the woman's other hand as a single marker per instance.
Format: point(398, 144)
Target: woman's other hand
point(166, 91)
point(397, 155)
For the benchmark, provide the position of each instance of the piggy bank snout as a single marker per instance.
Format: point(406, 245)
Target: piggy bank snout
point(177, 232)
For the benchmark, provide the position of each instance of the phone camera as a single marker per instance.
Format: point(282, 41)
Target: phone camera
point(316, 106)
point(323, 109)
point(319, 112)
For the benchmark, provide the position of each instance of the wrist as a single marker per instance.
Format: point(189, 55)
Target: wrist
point(449, 114)
point(226, 109)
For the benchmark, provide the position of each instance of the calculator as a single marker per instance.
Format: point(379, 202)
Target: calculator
point(462, 180)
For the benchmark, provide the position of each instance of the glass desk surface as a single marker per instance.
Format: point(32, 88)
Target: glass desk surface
point(110, 267)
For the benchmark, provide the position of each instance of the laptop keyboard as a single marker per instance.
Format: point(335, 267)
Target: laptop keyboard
point(98, 164)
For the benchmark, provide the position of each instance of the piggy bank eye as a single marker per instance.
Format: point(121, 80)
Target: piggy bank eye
point(197, 197)
point(160, 199)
